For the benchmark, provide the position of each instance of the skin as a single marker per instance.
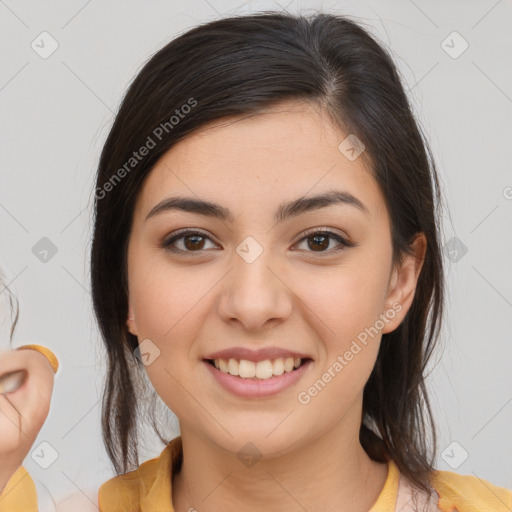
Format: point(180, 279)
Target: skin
point(23, 411)
point(293, 296)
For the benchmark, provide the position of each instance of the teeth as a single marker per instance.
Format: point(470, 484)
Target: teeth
point(249, 369)
point(278, 366)
point(261, 370)
point(233, 367)
point(223, 365)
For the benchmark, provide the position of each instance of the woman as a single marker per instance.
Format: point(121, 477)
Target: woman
point(266, 250)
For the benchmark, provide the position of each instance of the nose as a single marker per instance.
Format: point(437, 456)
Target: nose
point(255, 293)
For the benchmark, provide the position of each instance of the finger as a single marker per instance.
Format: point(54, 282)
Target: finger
point(32, 398)
point(12, 360)
point(13, 434)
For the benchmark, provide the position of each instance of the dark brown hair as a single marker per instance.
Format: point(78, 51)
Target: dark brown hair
point(237, 67)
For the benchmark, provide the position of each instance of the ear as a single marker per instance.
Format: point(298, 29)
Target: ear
point(130, 322)
point(403, 281)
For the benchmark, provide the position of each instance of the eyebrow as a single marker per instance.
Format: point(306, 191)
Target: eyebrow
point(285, 210)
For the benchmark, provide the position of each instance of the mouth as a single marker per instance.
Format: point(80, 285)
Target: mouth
point(261, 370)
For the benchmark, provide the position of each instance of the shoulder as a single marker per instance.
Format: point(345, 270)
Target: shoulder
point(19, 493)
point(125, 492)
point(468, 493)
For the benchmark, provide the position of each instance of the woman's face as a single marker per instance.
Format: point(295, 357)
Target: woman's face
point(264, 276)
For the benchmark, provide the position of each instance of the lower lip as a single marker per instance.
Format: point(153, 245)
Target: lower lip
point(257, 388)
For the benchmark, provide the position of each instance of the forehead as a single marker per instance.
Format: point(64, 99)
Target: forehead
point(253, 163)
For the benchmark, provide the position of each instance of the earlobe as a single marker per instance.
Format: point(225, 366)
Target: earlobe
point(130, 322)
point(403, 283)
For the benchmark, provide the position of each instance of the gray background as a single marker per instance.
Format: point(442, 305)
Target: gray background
point(55, 115)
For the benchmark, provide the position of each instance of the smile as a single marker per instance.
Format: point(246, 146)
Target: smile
point(260, 370)
point(242, 377)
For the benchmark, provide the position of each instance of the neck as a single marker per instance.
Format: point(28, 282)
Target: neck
point(331, 472)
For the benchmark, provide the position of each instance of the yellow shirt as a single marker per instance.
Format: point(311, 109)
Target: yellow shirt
point(148, 489)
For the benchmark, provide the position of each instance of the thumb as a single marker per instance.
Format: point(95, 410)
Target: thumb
point(52, 359)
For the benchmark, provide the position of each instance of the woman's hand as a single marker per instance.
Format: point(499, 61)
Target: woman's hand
point(24, 410)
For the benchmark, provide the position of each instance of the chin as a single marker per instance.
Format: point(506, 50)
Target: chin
point(262, 440)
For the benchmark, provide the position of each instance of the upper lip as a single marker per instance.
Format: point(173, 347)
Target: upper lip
point(261, 354)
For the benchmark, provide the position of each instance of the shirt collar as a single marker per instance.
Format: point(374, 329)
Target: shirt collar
point(158, 497)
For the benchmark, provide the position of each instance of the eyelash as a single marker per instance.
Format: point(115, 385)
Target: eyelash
point(178, 235)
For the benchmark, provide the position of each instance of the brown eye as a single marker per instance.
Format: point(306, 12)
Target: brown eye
point(187, 241)
point(319, 241)
point(194, 242)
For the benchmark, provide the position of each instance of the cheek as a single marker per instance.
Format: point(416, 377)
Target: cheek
point(344, 307)
point(345, 300)
point(166, 302)
point(164, 298)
